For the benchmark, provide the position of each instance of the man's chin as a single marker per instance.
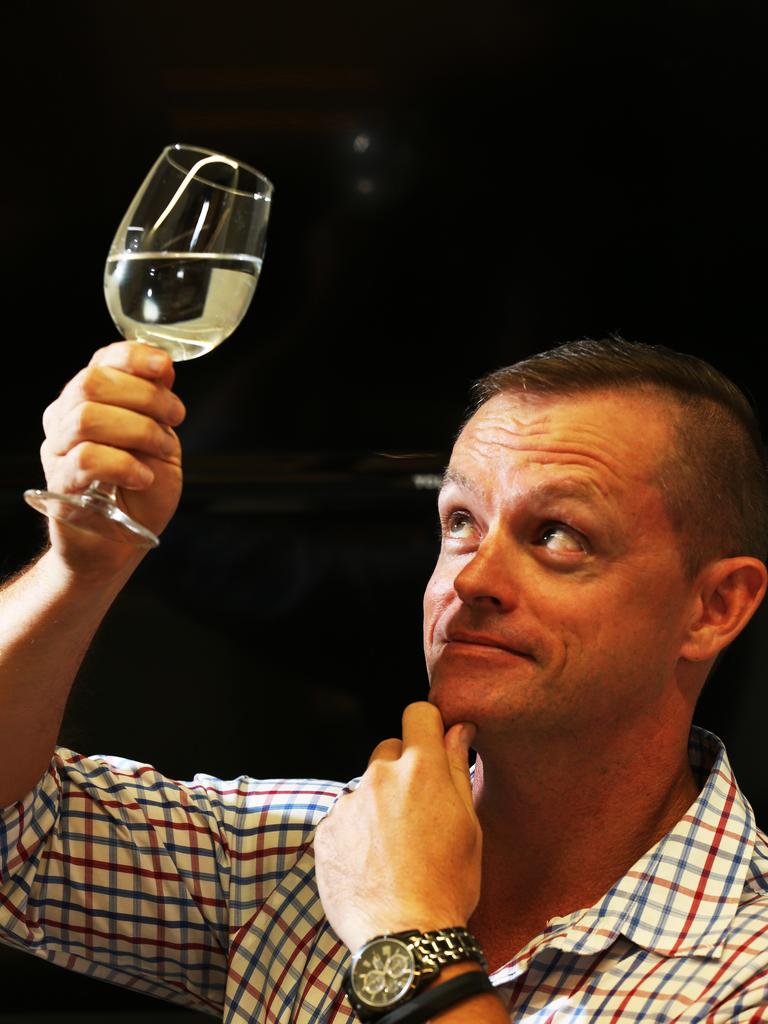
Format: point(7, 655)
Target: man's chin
point(486, 700)
point(453, 701)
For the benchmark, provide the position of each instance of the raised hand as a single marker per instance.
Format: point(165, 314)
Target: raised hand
point(404, 849)
point(114, 422)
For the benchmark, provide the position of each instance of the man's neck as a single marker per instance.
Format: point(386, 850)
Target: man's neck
point(561, 825)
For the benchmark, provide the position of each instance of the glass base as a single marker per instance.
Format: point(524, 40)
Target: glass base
point(92, 512)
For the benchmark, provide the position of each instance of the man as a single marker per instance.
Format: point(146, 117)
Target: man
point(604, 519)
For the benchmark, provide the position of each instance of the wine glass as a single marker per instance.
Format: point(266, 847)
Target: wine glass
point(180, 275)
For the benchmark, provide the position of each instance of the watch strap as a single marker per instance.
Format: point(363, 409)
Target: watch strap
point(424, 1006)
point(442, 946)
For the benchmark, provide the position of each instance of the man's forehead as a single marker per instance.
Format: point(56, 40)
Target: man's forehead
point(612, 424)
point(592, 444)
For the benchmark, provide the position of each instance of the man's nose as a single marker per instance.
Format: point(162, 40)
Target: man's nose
point(491, 575)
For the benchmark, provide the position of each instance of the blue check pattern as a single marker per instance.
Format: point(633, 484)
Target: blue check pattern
point(204, 893)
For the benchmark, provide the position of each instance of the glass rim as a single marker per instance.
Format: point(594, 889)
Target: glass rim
point(266, 195)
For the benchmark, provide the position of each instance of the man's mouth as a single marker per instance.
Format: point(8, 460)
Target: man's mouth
point(461, 638)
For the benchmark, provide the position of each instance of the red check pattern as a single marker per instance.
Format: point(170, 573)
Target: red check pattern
point(204, 893)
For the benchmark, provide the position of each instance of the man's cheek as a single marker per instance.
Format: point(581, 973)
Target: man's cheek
point(437, 599)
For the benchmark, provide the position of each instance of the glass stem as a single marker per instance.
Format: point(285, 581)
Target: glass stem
point(102, 490)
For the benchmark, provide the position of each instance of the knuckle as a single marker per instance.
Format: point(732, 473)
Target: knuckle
point(46, 458)
point(109, 355)
point(90, 382)
point(49, 416)
point(131, 355)
point(84, 419)
point(79, 467)
point(98, 355)
point(375, 771)
point(388, 746)
point(83, 457)
point(47, 449)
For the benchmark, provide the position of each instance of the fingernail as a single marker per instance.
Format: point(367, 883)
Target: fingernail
point(144, 475)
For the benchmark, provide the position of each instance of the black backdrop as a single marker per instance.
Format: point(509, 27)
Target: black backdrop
point(455, 187)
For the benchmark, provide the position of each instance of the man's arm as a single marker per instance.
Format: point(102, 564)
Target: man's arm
point(403, 851)
point(113, 422)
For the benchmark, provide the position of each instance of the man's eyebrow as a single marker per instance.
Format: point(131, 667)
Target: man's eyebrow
point(578, 490)
point(547, 490)
point(452, 476)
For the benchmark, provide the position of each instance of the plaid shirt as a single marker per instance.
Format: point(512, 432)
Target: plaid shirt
point(204, 893)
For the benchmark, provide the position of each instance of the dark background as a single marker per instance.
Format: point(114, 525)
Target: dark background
point(456, 186)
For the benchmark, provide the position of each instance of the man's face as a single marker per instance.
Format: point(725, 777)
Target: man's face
point(558, 602)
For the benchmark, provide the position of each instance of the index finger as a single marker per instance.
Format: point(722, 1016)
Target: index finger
point(423, 728)
point(424, 731)
point(137, 358)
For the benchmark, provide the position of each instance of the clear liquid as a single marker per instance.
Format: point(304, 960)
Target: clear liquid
point(186, 303)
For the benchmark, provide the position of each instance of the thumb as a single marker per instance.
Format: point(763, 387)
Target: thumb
point(458, 740)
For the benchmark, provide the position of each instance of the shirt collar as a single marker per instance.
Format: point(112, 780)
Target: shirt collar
point(679, 898)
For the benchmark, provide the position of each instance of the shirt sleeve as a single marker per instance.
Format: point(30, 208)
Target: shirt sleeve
point(113, 870)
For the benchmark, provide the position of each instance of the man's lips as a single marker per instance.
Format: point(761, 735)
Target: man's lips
point(486, 640)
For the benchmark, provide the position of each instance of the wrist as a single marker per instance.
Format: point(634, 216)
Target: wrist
point(357, 935)
point(89, 576)
point(394, 968)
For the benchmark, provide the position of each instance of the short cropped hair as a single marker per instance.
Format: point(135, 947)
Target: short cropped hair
point(715, 477)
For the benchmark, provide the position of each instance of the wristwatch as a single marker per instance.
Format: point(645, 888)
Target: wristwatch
point(390, 969)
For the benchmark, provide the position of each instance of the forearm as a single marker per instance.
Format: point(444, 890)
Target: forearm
point(49, 616)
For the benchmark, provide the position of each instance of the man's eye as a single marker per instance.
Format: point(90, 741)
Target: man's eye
point(557, 537)
point(458, 525)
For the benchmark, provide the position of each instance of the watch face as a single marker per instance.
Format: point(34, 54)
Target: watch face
point(381, 972)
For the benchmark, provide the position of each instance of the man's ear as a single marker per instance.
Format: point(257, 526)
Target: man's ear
point(730, 591)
